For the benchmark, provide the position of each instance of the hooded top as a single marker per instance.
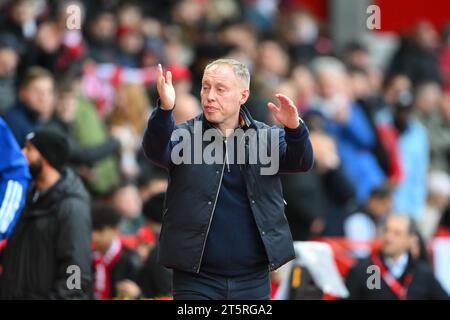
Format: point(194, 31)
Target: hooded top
point(51, 242)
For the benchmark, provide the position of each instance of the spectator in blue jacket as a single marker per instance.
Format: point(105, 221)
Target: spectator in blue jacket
point(347, 122)
point(410, 195)
point(35, 105)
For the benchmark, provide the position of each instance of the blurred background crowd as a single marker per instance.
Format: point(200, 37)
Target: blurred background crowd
point(379, 121)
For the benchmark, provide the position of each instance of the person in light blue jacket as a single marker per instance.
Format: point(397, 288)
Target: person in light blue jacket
point(14, 180)
point(410, 194)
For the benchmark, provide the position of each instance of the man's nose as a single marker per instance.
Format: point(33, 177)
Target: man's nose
point(211, 95)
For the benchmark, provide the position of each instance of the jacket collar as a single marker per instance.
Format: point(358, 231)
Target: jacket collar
point(246, 121)
point(408, 267)
point(39, 203)
point(30, 114)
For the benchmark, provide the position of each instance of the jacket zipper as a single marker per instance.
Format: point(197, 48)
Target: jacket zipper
point(227, 161)
point(210, 219)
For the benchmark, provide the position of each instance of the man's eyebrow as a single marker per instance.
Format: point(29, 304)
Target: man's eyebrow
point(222, 84)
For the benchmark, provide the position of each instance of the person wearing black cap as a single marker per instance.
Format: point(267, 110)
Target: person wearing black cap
point(48, 256)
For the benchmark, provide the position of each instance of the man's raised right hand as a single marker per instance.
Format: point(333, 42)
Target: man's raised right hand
point(165, 88)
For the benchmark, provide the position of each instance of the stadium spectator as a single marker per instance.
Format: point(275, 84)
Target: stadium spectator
point(364, 225)
point(9, 60)
point(35, 105)
point(127, 123)
point(318, 201)
point(154, 279)
point(53, 233)
point(410, 194)
point(428, 109)
point(115, 266)
point(63, 118)
point(349, 125)
point(401, 276)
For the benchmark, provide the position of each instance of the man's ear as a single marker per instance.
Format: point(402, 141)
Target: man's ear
point(244, 96)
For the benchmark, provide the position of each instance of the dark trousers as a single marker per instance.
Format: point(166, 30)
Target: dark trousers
point(207, 286)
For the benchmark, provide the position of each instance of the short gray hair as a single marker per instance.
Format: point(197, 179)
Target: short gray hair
point(327, 64)
point(240, 69)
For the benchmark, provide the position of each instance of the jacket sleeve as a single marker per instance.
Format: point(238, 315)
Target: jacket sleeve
point(156, 141)
point(358, 129)
point(435, 289)
point(89, 155)
point(14, 180)
point(73, 251)
point(354, 281)
point(296, 153)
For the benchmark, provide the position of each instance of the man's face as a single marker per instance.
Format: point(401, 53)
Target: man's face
point(131, 43)
point(24, 11)
point(396, 237)
point(66, 107)
point(222, 95)
point(128, 201)
point(103, 239)
point(332, 83)
point(380, 206)
point(400, 83)
point(8, 61)
point(39, 96)
point(34, 159)
point(104, 27)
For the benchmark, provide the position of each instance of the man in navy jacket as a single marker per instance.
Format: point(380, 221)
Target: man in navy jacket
point(224, 226)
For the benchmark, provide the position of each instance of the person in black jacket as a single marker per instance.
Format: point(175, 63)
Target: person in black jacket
point(417, 55)
point(393, 273)
point(318, 201)
point(48, 255)
point(154, 279)
point(224, 226)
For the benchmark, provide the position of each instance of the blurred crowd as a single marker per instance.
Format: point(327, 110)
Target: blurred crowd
point(381, 137)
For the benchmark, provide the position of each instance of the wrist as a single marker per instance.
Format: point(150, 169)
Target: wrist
point(300, 123)
point(161, 106)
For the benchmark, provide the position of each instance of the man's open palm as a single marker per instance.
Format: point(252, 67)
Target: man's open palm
point(286, 113)
point(165, 88)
